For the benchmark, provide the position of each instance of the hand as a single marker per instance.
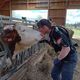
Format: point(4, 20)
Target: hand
point(57, 61)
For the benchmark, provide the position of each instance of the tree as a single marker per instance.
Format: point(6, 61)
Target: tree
point(39, 18)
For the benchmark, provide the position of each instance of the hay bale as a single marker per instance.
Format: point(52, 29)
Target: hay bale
point(71, 32)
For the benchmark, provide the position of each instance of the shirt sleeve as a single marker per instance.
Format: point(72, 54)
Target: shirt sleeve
point(65, 42)
point(64, 39)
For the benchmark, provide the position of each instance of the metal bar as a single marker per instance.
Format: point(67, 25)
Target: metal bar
point(11, 20)
point(24, 55)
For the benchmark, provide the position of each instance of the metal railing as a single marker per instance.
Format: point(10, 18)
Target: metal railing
point(12, 20)
point(21, 58)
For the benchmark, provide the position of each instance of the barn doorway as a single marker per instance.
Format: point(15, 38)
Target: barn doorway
point(73, 21)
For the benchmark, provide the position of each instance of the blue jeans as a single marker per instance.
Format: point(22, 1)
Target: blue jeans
point(65, 70)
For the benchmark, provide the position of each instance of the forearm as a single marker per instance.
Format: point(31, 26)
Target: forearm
point(63, 53)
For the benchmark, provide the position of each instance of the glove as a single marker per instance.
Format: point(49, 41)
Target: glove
point(57, 61)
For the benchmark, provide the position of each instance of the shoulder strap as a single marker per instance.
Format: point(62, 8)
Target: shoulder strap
point(62, 31)
point(52, 35)
point(65, 32)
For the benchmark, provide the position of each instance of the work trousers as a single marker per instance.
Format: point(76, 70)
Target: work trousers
point(65, 70)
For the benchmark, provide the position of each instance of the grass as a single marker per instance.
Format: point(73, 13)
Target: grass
point(76, 32)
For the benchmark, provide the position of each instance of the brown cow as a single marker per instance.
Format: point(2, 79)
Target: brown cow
point(11, 37)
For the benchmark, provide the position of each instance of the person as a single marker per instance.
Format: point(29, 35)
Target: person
point(11, 37)
point(65, 63)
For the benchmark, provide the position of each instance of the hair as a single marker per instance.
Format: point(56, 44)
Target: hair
point(44, 22)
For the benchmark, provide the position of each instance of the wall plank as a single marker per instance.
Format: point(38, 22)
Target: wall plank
point(57, 8)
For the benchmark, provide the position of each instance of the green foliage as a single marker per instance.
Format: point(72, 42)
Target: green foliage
point(75, 27)
point(76, 31)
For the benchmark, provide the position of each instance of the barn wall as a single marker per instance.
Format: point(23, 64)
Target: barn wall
point(5, 7)
point(56, 8)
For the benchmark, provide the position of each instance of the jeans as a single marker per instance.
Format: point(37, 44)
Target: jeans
point(65, 70)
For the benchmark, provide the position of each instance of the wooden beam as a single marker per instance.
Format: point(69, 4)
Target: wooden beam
point(3, 3)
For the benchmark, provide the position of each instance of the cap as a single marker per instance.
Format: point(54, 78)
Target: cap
point(43, 22)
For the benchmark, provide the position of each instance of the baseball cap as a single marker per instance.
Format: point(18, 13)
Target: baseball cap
point(43, 22)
